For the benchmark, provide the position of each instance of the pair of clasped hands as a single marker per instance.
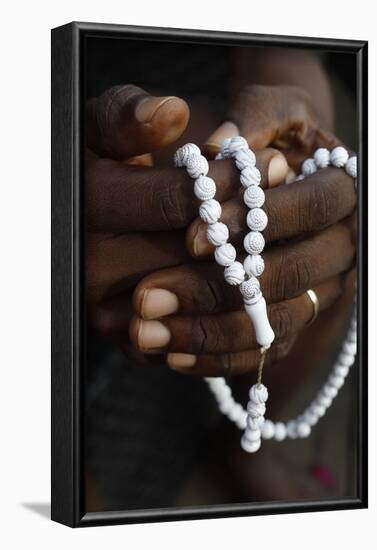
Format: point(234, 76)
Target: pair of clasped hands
point(152, 283)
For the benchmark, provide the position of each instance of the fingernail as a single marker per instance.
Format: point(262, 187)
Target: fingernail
point(226, 130)
point(181, 360)
point(148, 107)
point(200, 244)
point(277, 170)
point(157, 302)
point(152, 335)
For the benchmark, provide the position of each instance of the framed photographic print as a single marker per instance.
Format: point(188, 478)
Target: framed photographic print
point(209, 274)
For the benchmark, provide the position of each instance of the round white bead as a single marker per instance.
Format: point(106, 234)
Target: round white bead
point(256, 409)
point(210, 210)
point(336, 381)
point(224, 151)
point(310, 417)
point(225, 254)
point(341, 370)
point(329, 391)
point(303, 429)
point(257, 219)
point(204, 188)
point(217, 233)
point(346, 359)
point(237, 143)
point(234, 274)
point(308, 167)
point(225, 406)
point(255, 423)
point(223, 392)
point(236, 412)
point(268, 430)
point(258, 394)
point(250, 288)
point(351, 167)
point(250, 446)
point(183, 153)
point(350, 348)
point(280, 431)
point(254, 196)
point(292, 429)
point(254, 242)
point(250, 175)
point(243, 158)
point(197, 165)
point(241, 421)
point(322, 157)
point(324, 400)
point(254, 265)
point(252, 435)
point(338, 157)
point(317, 409)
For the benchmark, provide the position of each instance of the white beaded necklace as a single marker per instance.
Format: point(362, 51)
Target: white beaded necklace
point(252, 419)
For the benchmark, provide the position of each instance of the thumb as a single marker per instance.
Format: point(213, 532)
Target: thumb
point(126, 121)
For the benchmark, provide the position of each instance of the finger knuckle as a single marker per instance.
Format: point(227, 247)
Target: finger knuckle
point(290, 276)
point(205, 335)
point(282, 321)
point(175, 202)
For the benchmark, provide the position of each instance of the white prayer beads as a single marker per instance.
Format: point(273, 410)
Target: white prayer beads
point(253, 420)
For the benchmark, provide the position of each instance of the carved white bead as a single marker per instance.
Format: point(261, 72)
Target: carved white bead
point(280, 431)
point(303, 429)
point(204, 188)
point(254, 242)
point(268, 430)
point(322, 157)
point(250, 446)
point(250, 175)
point(336, 381)
point(258, 394)
point(257, 219)
point(254, 265)
point(183, 153)
point(254, 196)
point(217, 233)
point(256, 409)
point(351, 167)
point(237, 143)
point(234, 274)
point(243, 158)
point(250, 288)
point(292, 429)
point(197, 165)
point(257, 311)
point(255, 423)
point(225, 254)
point(252, 435)
point(308, 167)
point(338, 157)
point(224, 151)
point(210, 210)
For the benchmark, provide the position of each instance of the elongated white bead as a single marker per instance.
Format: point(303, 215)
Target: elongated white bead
point(250, 288)
point(234, 274)
point(257, 219)
point(217, 233)
point(254, 265)
point(197, 165)
point(225, 254)
point(252, 435)
point(268, 430)
point(257, 311)
point(351, 167)
point(308, 167)
point(339, 157)
point(182, 154)
point(243, 158)
point(210, 211)
point(254, 423)
point(250, 175)
point(322, 157)
point(254, 196)
point(254, 242)
point(204, 188)
point(280, 431)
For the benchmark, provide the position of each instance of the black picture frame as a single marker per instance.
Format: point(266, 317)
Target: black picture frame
point(68, 317)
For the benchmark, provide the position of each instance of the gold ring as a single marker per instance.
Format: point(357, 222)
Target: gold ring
point(314, 300)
